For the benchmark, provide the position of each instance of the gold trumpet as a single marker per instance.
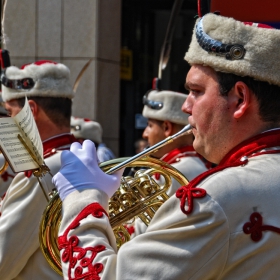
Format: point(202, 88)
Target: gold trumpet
point(138, 196)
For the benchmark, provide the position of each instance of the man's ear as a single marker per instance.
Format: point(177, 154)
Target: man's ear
point(168, 128)
point(34, 108)
point(240, 98)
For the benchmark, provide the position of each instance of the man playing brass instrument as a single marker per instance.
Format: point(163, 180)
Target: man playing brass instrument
point(165, 118)
point(49, 95)
point(225, 223)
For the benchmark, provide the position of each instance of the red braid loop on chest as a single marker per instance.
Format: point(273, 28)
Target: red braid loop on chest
point(5, 176)
point(81, 259)
point(255, 227)
point(189, 193)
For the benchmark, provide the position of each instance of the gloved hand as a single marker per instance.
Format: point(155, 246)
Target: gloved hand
point(79, 171)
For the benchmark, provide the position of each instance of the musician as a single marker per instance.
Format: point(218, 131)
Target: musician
point(225, 223)
point(165, 118)
point(86, 129)
point(83, 128)
point(50, 96)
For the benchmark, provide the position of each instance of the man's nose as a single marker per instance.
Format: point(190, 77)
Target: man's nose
point(145, 134)
point(186, 107)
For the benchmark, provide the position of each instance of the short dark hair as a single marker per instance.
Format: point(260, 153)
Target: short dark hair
point(268, 95)
point(58, 109)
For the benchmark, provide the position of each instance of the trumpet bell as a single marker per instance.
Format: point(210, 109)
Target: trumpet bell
point(138, 196)
point(48, 232)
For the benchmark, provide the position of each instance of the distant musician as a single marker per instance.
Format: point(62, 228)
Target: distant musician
point(83, 128)
point(50, 99)
point(165, 118)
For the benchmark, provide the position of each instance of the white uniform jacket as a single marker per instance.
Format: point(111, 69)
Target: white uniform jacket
point(225, 224)
point(189, 163)
point(21, 212)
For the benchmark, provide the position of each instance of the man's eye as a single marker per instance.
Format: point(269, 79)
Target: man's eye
point(195, 92)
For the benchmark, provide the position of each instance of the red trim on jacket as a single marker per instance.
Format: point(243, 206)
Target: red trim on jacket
point(59, 142)
point(237, 156)
point(255, 227)
point(79, 259)
point(174, 155)
point(54, 144)
point(5, 176)
point(187, 151)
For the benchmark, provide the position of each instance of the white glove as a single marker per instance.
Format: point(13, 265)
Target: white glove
point(79, 171)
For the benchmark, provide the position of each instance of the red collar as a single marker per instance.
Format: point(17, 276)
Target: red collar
point(252, 146)
point(51, 145)
point(60, 142)
point(187, 151)
point(248, 148)
point(257, 145)
point(178, 153)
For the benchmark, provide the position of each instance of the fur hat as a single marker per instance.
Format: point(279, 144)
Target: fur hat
point(86, 129)
point(165, 106)
point(241, 48)
point(42, 78)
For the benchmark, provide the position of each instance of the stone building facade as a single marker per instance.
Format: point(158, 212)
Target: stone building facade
point(73, 32)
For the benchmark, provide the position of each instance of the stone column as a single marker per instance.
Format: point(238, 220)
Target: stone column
point(73, 32)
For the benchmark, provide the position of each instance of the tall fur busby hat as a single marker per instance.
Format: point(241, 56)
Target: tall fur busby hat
point(43, 78)
point(86, 129)
point(240, 48)
point(165, 106)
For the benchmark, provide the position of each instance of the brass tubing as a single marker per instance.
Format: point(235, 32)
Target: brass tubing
point(142, 208)
point(186, 130)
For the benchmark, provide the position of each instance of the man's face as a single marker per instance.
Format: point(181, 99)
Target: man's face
point(209, 113)
point(12, 107)
point(154, 132)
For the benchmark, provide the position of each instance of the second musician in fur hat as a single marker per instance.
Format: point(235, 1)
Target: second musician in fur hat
point(47, 86)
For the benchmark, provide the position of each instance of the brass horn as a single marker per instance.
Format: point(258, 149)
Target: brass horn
point(138, 196)
point(5, 165)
